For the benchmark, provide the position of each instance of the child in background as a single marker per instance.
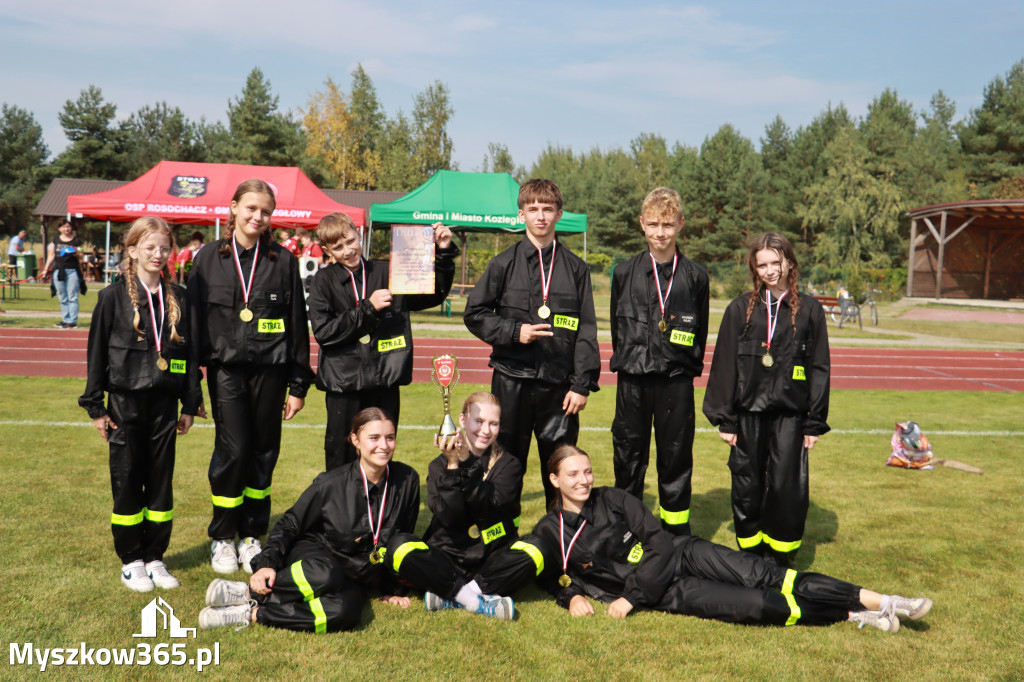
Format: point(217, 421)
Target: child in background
point(142, 354)
point(659, 318)
point(364, 332)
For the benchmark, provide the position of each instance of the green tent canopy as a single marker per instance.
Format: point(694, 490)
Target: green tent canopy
point(468, 202)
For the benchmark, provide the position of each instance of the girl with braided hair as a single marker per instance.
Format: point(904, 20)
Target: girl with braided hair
point(473, 490)
point(768, 395)
point(142, 355)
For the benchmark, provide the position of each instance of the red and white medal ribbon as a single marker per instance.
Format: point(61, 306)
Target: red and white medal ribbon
point(383, 501)
point(545, 282)
point(246, 288)
point(158, 330)
point(561, 540)
point(772, 323)
point(663, 299)
point(355, 292)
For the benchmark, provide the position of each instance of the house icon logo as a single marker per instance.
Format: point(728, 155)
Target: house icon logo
point(159, 612)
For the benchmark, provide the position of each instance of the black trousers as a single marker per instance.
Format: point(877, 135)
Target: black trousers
point(313, 593)
point(247, 401)
point(639, 399)
point(531, 407)
point(342, 409)
point(720, 583)
point(142, 472)
point(770, 492)
point(504, 569)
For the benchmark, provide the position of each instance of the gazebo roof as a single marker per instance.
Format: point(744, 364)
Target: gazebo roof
point(987, 213)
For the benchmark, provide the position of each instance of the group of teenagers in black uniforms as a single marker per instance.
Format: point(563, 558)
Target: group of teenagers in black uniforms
point(243, 318)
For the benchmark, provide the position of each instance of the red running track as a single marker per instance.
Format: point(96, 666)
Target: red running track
point(61, 353)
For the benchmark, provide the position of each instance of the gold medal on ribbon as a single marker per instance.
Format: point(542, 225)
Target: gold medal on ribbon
point(565, 580)
point(662, 325)
point(364, 339)
point(245, 315)
point(474, 531)
point(767, 360)
point(161, 364)
point(375, 557)
point(544, 312)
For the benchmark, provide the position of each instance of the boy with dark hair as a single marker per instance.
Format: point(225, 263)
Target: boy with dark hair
point(659, 318)
point(534, 307)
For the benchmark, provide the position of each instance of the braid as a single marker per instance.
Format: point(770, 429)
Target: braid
point(173, 314)
point(132, 281)
point(794, 301)
point(755, 296)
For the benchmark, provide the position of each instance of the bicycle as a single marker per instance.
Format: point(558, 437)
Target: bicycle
point(869, 300)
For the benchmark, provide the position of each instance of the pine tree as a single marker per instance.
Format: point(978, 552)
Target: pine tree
point(96, 149)
point(22, 155)
point(260, 134)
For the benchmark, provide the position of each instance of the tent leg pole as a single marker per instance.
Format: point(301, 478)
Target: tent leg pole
point(106, 266)
point(462, 238)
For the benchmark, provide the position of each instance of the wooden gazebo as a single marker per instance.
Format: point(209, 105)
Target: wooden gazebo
point(977, 250)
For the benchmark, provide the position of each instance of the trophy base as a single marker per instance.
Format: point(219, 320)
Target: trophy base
point(448, 427)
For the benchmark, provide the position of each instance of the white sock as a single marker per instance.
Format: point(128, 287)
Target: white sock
point(884, 606)
point(468, 594)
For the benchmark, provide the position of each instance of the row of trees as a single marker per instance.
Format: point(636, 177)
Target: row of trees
point(839, 186)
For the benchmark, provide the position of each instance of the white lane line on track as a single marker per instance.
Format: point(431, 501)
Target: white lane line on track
point(594, 429)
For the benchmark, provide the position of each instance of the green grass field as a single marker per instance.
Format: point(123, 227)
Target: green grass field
point(953, 536)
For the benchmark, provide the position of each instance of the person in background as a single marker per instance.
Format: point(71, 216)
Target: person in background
point(311, 248)
point(16, 247)
point(64, 256)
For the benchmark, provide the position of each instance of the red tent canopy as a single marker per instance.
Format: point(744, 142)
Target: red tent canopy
point(200, 193)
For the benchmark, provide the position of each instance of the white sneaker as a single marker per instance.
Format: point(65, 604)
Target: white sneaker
point(913, 609)
point(221, 616)
point(223, 558)
point(886, 622)
point(227, 593)
point(134, 577)
point(496, 606)
point(161, 577)
point(247, 549)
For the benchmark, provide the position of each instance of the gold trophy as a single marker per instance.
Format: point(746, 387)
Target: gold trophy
point(445, 375)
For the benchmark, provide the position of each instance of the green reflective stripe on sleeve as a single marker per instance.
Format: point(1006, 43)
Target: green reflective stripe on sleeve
point(299, 577)
point(515, 522)
point(404, 549)
point(787, 584)
point(780, 546)
point(158, 516)
point(229, 502)
point(533, 552)
point(752, 541)
point(254, 494)
point(127, 519)
point(675, 518)
point(319, 617)
point(794, 609)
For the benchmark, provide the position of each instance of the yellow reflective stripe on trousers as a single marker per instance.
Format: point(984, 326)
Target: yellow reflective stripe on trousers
point(752, 541)
point(675, 518)
point(254, 494)
point(319, 617)
point(229, 502)
point(780, 546)
point(532, 552)
point(127, 519)
point(404, 549)
point(157, 516)
point(787, 592)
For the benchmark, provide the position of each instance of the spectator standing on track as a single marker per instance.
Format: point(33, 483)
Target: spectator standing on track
point(768, 395)
point(659, 319)
point(535, 308)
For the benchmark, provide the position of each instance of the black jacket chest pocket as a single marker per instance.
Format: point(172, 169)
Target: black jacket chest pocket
point(515, 303)
point(127, 353)
point(801, 350)
point(221, 296)
point(749, 347)
point(271, 299)
point(619, 539)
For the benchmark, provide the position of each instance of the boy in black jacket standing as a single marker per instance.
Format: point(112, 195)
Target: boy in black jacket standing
point(535, 308)
point(659, 318)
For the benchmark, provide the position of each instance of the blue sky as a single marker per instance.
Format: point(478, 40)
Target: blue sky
point(577, 74)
